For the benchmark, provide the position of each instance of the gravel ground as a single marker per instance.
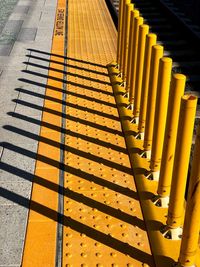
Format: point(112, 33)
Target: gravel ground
point(6, 7)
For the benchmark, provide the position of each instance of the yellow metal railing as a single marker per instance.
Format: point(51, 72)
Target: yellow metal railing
point(158, 121)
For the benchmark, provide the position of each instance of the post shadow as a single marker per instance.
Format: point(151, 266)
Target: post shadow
point(69, 169)
point(81, 96)
point(30, 56)
point(67, 73)
point(79, 197)
point(69, 104)
point(67, 58)
point(79, 227)
point(68, 117)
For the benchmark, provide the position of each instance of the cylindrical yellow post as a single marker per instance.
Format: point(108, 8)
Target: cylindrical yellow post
point(181, 161)
point(134, 14)
point(121, 6)
point(150, 42)
point(191, 226)
point(129, 8)
point(157, 54)
point(164, 78)
point(167, 162)
point(138, 22)
point(126, 2)
point(195, 171)
point(143, 31)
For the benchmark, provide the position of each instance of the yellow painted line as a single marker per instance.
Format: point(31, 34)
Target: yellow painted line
point(103, 223)
point(40, 242)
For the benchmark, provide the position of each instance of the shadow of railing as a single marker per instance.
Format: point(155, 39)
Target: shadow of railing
point(119, 214)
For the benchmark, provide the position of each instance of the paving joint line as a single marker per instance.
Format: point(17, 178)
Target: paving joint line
point(59, 240)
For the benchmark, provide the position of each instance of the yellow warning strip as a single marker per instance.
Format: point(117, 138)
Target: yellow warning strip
point(40, 242)
point(103, 223)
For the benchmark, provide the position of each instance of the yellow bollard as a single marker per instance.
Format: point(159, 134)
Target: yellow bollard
point(191, 228)
point(195, 171)
point(143, 31)
point(121, 6)
point(138, 22)
point(129, 8)
point(150, 42)
point(164, 78)
point(134, 15)
point(180, 169)
point(167, 162)
point(157, 54)
point(126, 2)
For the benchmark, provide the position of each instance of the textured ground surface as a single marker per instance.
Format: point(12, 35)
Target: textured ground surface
point(23, 23)
point(6, 8)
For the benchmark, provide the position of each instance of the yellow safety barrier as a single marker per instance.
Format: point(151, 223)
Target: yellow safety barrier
point(155, 104)
point(134, 15)
point(167, 162)
point(121, 61)
point(164, 78)
point(121, 3)
point(157, 54)
point(150, 42)
point(138, 22)
point(116, 68)
point(189, 244)
point(129, 8)
point(143, 31)
point(180, 169)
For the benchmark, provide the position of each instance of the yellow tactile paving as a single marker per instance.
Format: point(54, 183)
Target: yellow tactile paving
point(103, 222)
point(40, 243)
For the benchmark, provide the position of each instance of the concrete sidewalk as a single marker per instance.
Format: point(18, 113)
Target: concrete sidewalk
point(29, 29)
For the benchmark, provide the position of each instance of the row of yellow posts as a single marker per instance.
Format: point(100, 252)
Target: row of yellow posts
point(164, 119)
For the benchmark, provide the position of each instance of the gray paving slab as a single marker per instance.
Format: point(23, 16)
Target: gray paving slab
point(19, 156)
point(20, 49)
point(34, 76)
point(25, 2)
point(6, 8)
point(7, 108)
point(20, 130)
point(9, 79)
point(22, 188)
point(22, 88)
point(27, 108)
point(12, 221)
point(50, 3)
point(8, 36)
point(27, 34)
point(21, 9)
point(17, 16)
point(5, 49)
point(10, 31)
point(14, 175)
point(41, 33)
point(8, 62)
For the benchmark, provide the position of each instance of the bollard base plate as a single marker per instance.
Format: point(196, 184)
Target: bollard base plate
point(130, 106)
point(146, 154)
point(172, 233)
point(135, 120)
point(140, 136)
point(162, 202)
point(178, 264)
point(154, 176)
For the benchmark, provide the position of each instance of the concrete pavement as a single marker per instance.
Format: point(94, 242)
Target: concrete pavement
point(29, 27)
